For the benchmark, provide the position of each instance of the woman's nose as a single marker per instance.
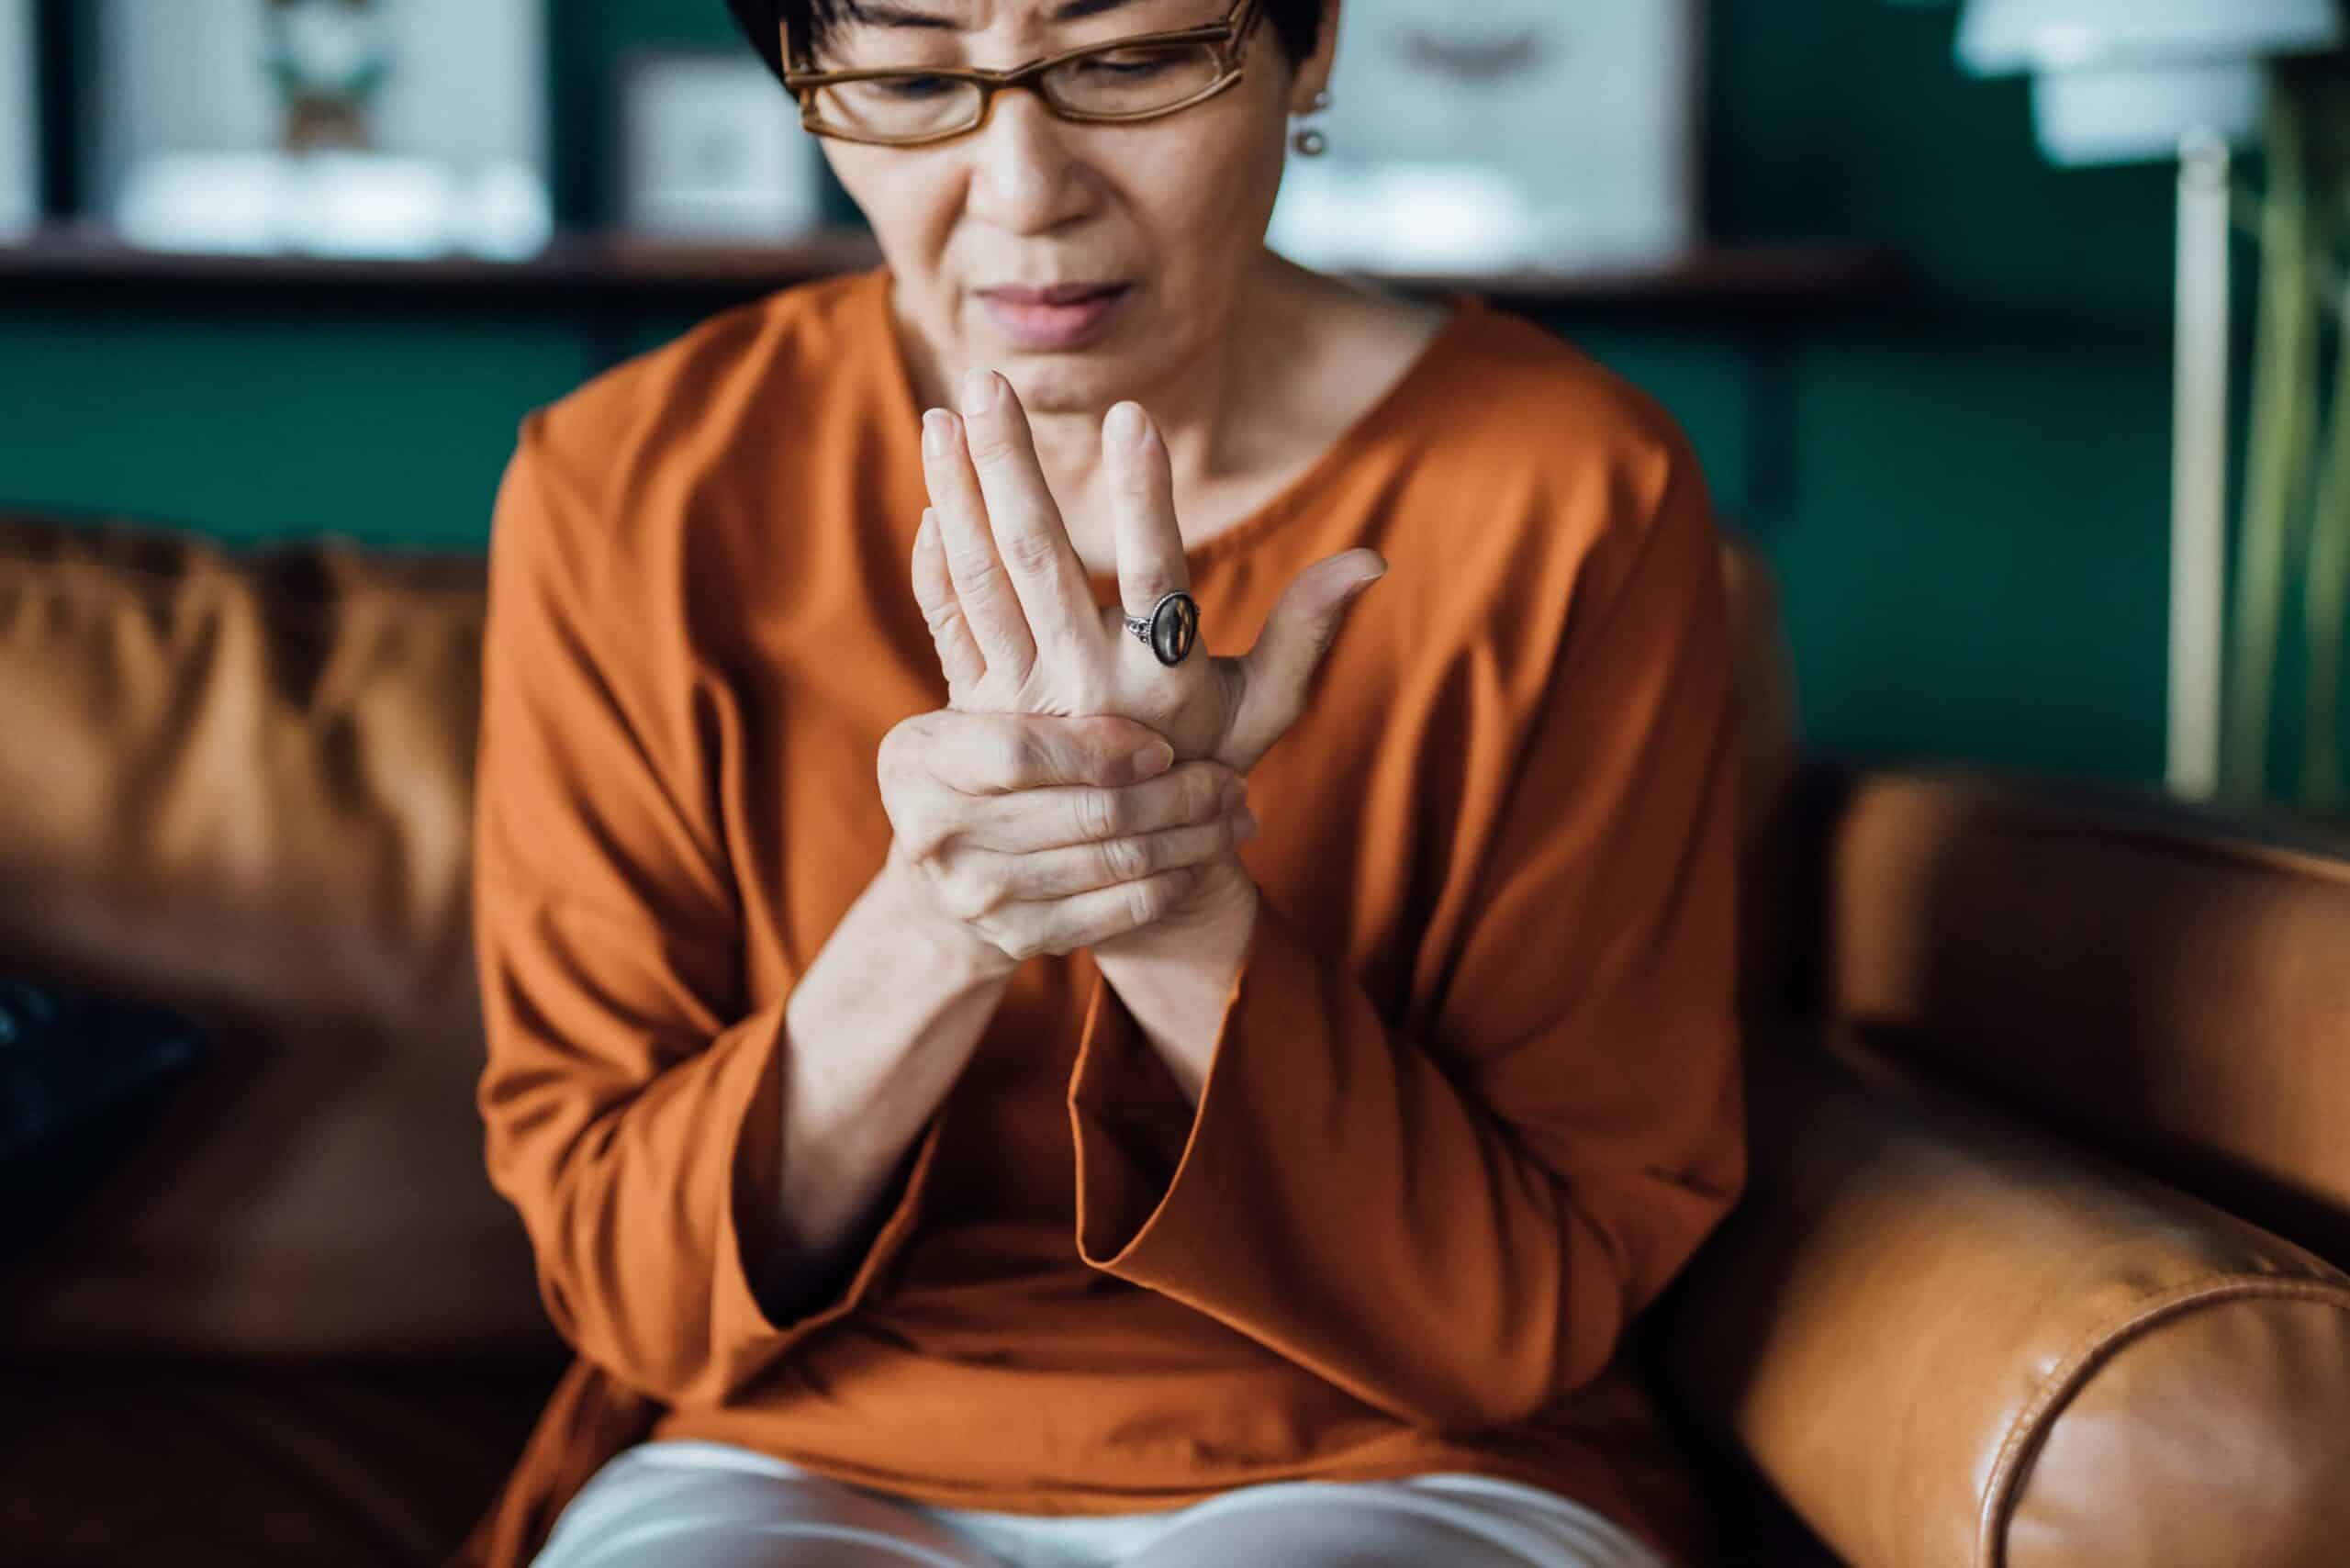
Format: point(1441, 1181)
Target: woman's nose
point(1023, 176)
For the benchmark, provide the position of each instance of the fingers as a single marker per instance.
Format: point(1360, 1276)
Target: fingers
point(1030, 537)
point(1055, 867)
point(1085, 867)
point(1195, 794)
point(1087, 920)
point(1142, 501)
point(1279, 671)
point(959, 653)
point(990, 606)
point(1002, 754)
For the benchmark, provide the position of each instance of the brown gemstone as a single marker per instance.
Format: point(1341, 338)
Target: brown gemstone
point(1174, 627)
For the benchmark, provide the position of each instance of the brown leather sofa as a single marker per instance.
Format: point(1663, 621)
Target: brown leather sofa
point(1968, 1315)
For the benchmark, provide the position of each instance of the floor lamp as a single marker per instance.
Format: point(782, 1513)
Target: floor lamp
point(2138, 81)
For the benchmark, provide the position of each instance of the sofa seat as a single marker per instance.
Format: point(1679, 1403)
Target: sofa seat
point(236, 1464)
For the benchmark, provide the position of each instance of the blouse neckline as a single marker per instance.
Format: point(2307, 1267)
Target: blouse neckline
point(1292, 500)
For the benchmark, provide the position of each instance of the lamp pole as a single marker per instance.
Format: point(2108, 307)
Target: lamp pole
point(2199, 538)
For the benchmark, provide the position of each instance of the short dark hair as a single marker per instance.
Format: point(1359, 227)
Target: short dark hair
point(1297, 24)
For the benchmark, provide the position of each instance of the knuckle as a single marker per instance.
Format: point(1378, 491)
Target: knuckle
point(1124, 859)
point(1145, 902)
point(975, 572)
point(970, 560)
point(1029, 550)
point(1097, 813)
point(924, 835)
point(942, 616)
point(968, 898)
point(1012, 755)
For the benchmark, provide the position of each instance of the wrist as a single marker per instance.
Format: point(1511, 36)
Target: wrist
point(1209, 932)
point(1177, 978)
point(899, 897)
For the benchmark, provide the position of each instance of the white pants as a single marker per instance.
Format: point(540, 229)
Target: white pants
point(715, 1505)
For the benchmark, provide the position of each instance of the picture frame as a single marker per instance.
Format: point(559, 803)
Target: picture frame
point(1513, 135)
point(712, 150)
point(20, 119)
point(221, 125)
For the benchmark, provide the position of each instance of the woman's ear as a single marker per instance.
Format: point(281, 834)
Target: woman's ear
point(1313, 76)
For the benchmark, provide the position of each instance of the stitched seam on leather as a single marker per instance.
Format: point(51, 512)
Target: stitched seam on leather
point(2030, 1426)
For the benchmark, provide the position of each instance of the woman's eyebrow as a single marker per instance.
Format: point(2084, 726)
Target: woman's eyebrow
point(882, 15)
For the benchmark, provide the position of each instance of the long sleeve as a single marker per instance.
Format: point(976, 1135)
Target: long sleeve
point(630, 1099)
point(1457, 1225)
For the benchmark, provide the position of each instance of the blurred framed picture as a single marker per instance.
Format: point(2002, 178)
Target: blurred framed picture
point(712, 148)
point(19, 119)
point(1508, 135)
point(366, 127)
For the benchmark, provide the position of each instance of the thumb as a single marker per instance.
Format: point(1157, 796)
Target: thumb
point(1278, 672)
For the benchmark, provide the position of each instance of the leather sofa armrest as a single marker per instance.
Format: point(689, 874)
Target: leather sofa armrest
point(1946, 1339)
point(2169, 983)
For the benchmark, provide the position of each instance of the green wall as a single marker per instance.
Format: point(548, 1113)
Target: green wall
point(1965, 493)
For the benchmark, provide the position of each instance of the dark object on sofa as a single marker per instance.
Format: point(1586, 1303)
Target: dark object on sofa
point(1969, 1314)
point(80, 1079)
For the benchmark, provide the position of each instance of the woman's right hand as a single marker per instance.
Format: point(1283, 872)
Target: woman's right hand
point(1028, 834)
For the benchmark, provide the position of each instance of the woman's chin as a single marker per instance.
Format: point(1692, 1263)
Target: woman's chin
point(1070, 384)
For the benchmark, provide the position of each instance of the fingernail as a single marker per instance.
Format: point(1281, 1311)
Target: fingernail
point(1235, 795)
point(979, 391)
point(929, 526)
point(937, 430)
point(1246, 828)
point(1125, 424)
point(1152, 760)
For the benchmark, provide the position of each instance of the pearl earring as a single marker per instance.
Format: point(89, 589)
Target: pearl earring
point(1309, 140)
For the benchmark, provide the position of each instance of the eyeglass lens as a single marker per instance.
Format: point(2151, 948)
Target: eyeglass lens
point(1128, 81)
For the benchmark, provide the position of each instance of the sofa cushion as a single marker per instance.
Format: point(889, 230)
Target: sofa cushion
point(249, 802)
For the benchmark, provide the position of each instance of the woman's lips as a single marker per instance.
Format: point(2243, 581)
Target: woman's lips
point(1054, 319)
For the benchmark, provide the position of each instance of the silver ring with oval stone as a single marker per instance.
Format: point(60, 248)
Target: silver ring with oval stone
point(1171, 629)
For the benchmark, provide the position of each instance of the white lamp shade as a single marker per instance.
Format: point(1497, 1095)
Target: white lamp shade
point(2143, 114)
point(2000, 38)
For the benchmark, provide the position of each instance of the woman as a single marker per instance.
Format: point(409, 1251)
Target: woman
point(990, 1081)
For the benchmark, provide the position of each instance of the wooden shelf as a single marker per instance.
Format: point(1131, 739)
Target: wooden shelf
point(615, 269)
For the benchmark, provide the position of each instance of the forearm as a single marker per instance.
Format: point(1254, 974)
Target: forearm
point(878, 1031)
point(1176, 977)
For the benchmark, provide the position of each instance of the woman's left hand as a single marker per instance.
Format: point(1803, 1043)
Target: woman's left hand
point(1013, 613)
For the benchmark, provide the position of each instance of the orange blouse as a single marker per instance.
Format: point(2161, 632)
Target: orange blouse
point(1475, 1097)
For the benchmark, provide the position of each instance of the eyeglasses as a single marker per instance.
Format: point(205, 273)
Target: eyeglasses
point(1125, 80)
